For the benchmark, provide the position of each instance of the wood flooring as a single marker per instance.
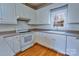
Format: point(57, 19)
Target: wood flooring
point(39, 50)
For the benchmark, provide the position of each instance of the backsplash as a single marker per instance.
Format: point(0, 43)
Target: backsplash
point(7, 28)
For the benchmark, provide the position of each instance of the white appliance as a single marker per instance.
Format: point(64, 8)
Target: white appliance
point(26, 40)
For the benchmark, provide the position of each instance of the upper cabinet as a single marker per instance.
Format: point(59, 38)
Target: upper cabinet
point(8, 13)
point(73, 13)
point(25, 11)
point(43, 16)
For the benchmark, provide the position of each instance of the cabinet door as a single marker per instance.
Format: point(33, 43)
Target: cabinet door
point(5, 50)
point(77, 46)
point(19, 10)
point(0, 13)
point(57, 42)
point(43, 16)
point(73, 12)
point(72, 46)
point(53, 41)
point(50, 40)
point(14, 43)
point(60, 43)
point(42, 39)
point(8, 13)
point(25, 11)
point(10, 41)
point(46, 39)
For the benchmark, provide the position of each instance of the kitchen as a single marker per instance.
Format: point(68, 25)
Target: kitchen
point(52, 25)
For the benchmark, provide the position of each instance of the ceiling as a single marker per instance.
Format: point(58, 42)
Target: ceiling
point(37, 5)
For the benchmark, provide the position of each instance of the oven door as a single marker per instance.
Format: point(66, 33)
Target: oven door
point(26, 41)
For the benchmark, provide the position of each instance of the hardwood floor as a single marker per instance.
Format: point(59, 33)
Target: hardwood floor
point(39, 50)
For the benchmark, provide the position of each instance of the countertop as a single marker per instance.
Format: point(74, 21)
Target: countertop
point(40, 29)
point(62, 32)
point(12, 33)
point(8, 33)
point(50, 31)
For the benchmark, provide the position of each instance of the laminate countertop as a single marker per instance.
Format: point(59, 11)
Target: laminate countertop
point(39, 29)
point(50, 31)
point(62, 32)
point(8, 33)
point(12, 33)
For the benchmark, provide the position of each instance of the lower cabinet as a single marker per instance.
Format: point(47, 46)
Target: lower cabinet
point(60, 43)
point(5, 49)
point(56, 42)
point(16, 43)
point(10, 45)
point(72, 46)
point(13, 42)
point(53, 41)
point(42, 39)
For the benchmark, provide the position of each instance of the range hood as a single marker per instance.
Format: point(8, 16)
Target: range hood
point(22, 24)
point(23, 19)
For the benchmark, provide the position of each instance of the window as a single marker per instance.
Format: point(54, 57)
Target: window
point(59, 15)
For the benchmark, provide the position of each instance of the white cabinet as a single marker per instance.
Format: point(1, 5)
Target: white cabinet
point(60, 43)
point(42, 39)
point(0, 13)
point(9, 41)
point(8, 12)
point(42, 17)
point(53, 41)
point(19, 10)
point(14, 43)
point(57, 42)
point(25, 11)
point(50, 40)
point(5, 50)
point(72, 46)
point(73, 13)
